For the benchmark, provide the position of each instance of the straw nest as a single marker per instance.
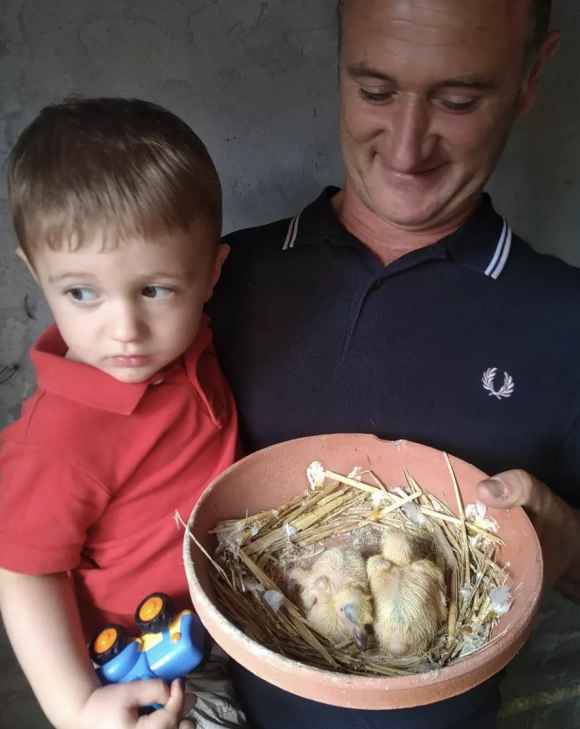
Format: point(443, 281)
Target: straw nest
point(255, 554)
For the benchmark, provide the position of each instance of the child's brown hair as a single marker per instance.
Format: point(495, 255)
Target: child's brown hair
point(122, 167)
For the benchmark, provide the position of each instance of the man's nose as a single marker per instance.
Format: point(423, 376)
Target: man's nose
point(410, 142)
point(126, 324)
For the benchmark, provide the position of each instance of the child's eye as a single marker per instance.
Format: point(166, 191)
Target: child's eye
point(82, 294)
point(157, 292)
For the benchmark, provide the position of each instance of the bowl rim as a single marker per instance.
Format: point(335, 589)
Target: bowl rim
point(485, 661)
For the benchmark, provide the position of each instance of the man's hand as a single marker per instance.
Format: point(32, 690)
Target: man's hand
point(116, 707)
point(557, 525)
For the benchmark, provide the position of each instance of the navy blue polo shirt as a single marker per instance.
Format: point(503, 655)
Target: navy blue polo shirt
point(471, 345)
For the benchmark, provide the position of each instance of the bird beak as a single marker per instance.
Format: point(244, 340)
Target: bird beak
point(361, 638)
point(359, 633)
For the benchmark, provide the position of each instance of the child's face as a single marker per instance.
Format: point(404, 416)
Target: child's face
point(133, 310)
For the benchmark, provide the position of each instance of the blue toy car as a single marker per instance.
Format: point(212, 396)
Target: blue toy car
point(169, 647)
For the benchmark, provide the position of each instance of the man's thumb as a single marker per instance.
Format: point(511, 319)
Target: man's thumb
point(511, 488)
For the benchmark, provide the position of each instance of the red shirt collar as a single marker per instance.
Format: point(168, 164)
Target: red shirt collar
point(89, 386)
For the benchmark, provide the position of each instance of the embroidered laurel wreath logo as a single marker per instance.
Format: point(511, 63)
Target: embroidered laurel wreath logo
point(506, 389)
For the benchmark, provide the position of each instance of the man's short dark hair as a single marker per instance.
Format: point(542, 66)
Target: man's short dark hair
point(540, 25)
point(540, 12)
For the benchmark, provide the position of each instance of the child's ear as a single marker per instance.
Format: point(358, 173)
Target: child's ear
point(222, 253)
point(22, 255)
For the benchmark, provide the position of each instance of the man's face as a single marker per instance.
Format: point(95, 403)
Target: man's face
point(429, 91)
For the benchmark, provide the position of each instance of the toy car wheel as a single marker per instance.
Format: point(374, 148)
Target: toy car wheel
point(154, 613)
point(108, 643)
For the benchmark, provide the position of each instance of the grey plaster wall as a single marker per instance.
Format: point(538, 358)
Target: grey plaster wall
point(257, 80)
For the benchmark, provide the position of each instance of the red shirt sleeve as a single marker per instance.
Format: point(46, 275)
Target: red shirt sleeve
point(47, 505)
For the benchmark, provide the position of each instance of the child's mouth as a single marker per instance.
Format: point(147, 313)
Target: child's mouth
point(123, 360)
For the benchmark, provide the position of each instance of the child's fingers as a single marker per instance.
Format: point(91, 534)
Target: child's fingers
point(189, 702)
point(168, 717)
point(146, 693)
point(175, 704)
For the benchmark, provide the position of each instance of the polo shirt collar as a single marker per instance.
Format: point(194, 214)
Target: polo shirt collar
point(482, 243)
point(80, 382)
point(89, 386)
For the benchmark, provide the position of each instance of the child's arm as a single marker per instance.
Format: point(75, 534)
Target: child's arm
point(42, 621)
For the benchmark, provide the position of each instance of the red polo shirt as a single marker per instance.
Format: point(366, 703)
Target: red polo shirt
point(95, 469)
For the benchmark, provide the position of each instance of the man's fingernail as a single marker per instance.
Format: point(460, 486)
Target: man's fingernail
point(495, 487)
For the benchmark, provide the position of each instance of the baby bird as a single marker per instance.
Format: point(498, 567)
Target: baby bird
point(336, 596)
point(408, 590)
point(403, 548)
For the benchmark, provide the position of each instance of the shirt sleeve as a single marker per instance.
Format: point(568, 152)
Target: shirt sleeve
point(47, 506)
point(565, 472)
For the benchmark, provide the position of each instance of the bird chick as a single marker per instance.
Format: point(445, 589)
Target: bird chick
point(409, 594)
point(403, 548)
point(336, 596)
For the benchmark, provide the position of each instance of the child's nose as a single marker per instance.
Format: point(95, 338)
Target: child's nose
point(126, 325)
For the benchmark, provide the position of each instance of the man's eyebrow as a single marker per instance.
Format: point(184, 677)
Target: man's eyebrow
point(463, 82)
point(468, 82)
point(363, 71)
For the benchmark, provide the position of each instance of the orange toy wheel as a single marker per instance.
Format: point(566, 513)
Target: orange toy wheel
point(154, 613)
point(151, 608)
point(108, 643)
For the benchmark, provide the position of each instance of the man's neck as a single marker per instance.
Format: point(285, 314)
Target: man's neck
point(384, 240)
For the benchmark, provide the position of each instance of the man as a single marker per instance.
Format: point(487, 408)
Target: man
point(403, 305)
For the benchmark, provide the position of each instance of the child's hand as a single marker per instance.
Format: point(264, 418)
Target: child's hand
point(116, 706)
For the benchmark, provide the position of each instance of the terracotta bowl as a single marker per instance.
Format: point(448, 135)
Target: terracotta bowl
point(271, 477)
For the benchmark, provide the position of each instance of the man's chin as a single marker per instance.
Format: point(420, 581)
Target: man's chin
point(408, 214)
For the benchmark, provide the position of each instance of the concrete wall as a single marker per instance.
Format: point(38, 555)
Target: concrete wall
point(257, 80)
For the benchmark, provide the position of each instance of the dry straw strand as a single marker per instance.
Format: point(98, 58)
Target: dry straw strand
point(462, 517)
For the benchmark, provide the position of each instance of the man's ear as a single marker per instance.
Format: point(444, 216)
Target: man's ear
point(223, 252)
point(22, 255)
point(530, 90)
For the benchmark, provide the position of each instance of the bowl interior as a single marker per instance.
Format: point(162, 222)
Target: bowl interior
point(272, 477)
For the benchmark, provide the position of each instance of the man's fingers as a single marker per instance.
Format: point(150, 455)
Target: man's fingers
point(187, 724)
point(554, 521)
point(514, 488)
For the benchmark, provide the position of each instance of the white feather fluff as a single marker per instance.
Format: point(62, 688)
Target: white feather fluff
point(315, 475)
point(501, 599)
point(274, 599)
point(414, 513)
